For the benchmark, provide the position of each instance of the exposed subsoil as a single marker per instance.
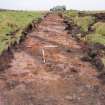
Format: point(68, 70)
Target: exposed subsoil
point(46, 69)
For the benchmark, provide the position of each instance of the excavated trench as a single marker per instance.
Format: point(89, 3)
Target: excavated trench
point(46, 69)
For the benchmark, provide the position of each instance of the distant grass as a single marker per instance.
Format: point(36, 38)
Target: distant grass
point(10, 21)
point(71, 13)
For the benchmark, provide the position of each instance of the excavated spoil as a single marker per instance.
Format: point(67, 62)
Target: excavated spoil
point(46, 69)
point(93, 51)
point(5, 60)
point(99, 16)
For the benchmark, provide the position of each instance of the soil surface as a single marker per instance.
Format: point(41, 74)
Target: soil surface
point(46, 69)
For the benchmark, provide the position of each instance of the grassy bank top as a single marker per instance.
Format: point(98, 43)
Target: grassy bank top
point(11, 21)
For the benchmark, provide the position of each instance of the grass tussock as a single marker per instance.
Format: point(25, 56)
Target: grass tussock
point(84, 22)
point(98, 35)
point(99, 28)
point(96, 38)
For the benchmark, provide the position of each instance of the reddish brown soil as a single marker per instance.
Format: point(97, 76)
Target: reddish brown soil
point(63, 79)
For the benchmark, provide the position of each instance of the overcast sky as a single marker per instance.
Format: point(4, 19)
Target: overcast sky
point(47, 4)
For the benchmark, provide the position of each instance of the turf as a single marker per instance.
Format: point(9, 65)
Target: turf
point(11, 21)
point(96, 38)
point(99, 28)
point(84, 22)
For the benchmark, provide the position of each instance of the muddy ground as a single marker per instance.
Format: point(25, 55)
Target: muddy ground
point(46, 69)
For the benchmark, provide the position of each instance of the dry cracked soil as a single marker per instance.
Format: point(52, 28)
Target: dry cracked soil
point(47, 70)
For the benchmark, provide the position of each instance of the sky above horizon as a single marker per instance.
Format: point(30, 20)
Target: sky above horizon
point(47, 4)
